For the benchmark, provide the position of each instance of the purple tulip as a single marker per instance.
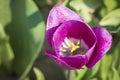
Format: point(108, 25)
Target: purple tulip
point(74, 42)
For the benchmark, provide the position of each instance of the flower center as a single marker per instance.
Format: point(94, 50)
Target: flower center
point(71, 46)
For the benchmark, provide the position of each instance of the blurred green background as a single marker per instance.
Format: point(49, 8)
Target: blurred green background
point(23, 44)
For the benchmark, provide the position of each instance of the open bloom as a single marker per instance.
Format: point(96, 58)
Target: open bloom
point(74, 42)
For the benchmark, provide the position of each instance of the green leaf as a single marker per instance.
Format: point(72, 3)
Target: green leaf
point(5, 13)
point(77, 74)
point(105, 66)
point(39, 74)
point(65, 2)
point(93, 3)
point(95, 69)
point(81, 73)
point(6, 53)
point(94, 79)
point(113, 29)
point(111, 19)
point(112, 6)
point(41, 3)
point(85, 73)
point(115, 74)
point(82, 9)
point(110, 62)
point(27, 78)
point(85, 8)
point(103, 11)
point(26, 31)
point(44, 3)
point(74, 74)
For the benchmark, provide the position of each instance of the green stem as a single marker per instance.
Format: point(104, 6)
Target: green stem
point(69, 74)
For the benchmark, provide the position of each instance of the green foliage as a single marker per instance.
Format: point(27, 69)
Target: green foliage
point(111, 19)
point(26, 33)
point(5, 13)
point(85, 8)
point(38, 73)
point(44, 3)
point(86, 74)
point(25, 28)
point(110, 4)
point(110, 64)
point(6, 53)
point(82, 9)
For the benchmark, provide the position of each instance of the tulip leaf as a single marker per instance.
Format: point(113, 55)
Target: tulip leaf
point(78, 74)
point(44, 3)
point(65, 2)
point(103, 11)
point(26, 33)
point(5, 13)
point(95, 69)
point(107, 61)
point(94, 79)
point(108, 6)
point(105, 66)
point(85, 73)
point(111, 19)
point(39, 74)
point(81, 73)
point(6, 52)
point(41, 3)
point(115, 74)
point(85, 8)
point(93, 3)
point(82, 9)
point(110, 63)
point(27, 78)
point(113, 29)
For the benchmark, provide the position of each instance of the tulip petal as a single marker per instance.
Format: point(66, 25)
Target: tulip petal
point(76, 62)
point(71, 63)
point(58, 15)
point(104, 41)
point(74, 29)
point(58, 60)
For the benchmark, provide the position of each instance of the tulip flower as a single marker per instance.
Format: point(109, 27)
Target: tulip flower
point(75, 44)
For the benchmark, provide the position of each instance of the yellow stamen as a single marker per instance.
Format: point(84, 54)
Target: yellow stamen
point(78, 43)
point(73, 46)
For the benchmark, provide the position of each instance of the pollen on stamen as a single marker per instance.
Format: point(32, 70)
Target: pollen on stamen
point(72, 47)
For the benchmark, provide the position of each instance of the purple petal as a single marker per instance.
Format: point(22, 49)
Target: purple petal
point(104, 41)
point(58, 60)
point(74, 29)
point(58, 15)
point(75, 62)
